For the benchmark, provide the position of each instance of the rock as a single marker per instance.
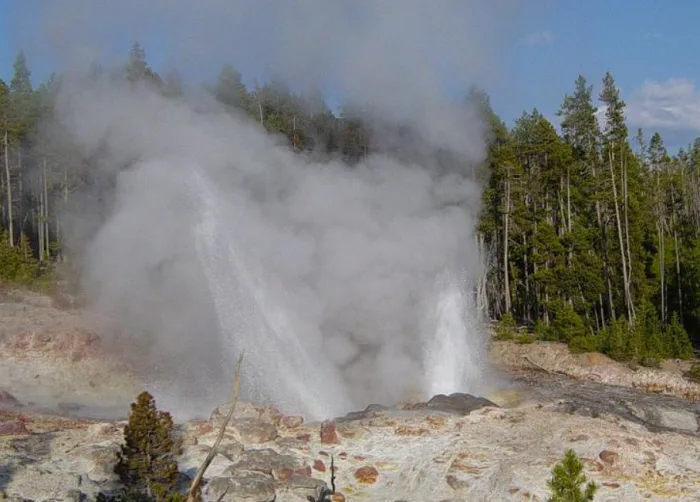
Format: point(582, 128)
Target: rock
point(7, 400)
point(242, 486)
point(103, 430)
point(557, 358)
point(609, 457)
point(300, 488)
point(677, 419)
point(193, 457)
point(366, 475)
point(458, 403)
point(612, 485)
point(436, 451)
point(372, 411)
point(351, 430)
point(245, 411)
point(293, 443)
point(200, 428)
point(271, 415)
point(266, 461)
point(72, 496)
point(231, 449)
point(328, 432)
point(404, 430)
point(253, 431)
point(376, 408)
point(285, 474)
point(455, 483)
point(14, 427)
point(101, 461)
point(292, 422)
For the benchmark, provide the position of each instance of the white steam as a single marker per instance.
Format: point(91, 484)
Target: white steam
point(344, 286)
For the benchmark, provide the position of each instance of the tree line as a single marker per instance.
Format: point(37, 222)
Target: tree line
point(591, 237)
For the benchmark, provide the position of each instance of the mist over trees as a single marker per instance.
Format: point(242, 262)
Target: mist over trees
point(592, 234)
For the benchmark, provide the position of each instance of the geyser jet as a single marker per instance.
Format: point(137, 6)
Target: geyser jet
point(344, 286)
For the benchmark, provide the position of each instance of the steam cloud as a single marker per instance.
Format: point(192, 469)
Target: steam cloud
point(212, 218)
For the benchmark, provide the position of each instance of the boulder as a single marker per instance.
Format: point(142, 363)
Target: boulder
point(7, 400)
point(328, 432)
point(458, 403)
point(266, 461)
point(242, 486)
point(254, 431)
point(245, 411)
point(13, 427)
point(299, 488)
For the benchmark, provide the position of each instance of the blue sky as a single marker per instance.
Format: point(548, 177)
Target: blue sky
point(649, 47)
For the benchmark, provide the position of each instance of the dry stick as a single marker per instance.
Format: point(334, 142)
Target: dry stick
point(212, 453)
point(551, 372)
point(537, 365)
point(325, 492)
point(557, 372)
point(223, 494)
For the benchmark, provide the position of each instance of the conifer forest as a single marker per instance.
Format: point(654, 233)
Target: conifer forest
point(591, 231)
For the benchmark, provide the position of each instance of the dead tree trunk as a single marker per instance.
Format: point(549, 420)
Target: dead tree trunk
point(46, 212)
point(506, 220)
point(620, 236)
point(9, 192)
point(625, 199)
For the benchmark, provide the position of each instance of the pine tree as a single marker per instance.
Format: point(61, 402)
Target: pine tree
point(146, 463)
point(230, 90)
point(567, 480)
point(677, 337)
point(582, 133)
point(498, 201)
point(137, 68)
point(21, 80)
point(22, 111)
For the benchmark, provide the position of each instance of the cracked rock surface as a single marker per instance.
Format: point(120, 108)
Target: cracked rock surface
point(418, 453)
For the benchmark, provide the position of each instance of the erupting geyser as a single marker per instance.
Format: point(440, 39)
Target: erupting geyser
point(343, 286)
point(280, 369)
point(206, 236)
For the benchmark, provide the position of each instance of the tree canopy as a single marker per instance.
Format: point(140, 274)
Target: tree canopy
point(588, 240)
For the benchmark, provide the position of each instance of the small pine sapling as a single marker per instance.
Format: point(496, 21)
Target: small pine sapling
point(567, 480)
point(146, 463)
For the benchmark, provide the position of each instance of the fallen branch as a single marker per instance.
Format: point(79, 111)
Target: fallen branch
point(537, 365)
point(196, 482)
point(223, 494)
point(554, 372)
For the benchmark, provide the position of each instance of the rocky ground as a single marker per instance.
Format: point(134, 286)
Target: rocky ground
point(51, 359)
point(638, 438)
point(555, 358)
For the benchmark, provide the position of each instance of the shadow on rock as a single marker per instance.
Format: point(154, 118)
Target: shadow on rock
point(23, 450)
point(656, 412)
point(456, 403)
point(6, 472)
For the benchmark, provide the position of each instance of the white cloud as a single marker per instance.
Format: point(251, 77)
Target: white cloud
point(539, 38)
point(654, 35)
point(673, 105)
